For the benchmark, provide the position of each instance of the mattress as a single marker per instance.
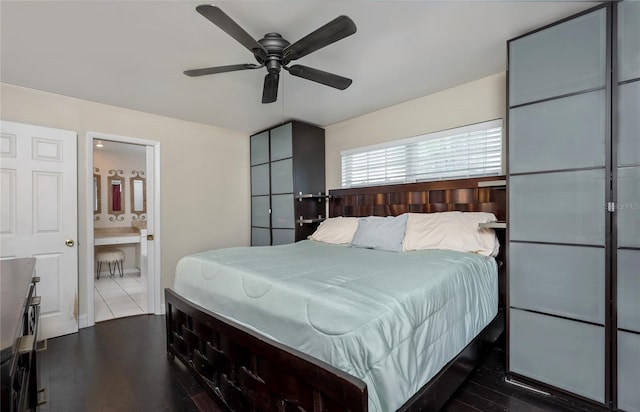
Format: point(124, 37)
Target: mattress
point(391, 319)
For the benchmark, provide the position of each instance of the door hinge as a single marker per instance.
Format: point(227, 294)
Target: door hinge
point(611, 207)
point(149, 237)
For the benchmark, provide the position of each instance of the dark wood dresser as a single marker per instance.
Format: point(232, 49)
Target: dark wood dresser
point(20, 313)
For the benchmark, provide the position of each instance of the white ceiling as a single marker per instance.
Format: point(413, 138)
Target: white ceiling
point(132, 53)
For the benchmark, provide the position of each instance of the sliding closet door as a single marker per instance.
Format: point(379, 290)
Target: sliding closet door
point(558, 139)
point(283, 217)
point(628, 205)
point(260, 190)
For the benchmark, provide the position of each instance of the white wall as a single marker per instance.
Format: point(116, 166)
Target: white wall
point(473, 102)
point(204, 171)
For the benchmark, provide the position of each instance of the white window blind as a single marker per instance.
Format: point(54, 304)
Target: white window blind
point(468, 151)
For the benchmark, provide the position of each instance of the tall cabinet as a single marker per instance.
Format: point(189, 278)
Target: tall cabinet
point(574, 206)
point(287, 183)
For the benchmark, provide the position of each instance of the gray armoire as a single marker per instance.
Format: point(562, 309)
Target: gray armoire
point(287, 183)
point(574, 206)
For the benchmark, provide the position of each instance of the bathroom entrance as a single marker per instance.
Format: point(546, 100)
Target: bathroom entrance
point(122, 270)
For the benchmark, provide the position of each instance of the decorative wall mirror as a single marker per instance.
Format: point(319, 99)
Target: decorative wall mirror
point(138, 194)
point(97, 204)
point(116, 194)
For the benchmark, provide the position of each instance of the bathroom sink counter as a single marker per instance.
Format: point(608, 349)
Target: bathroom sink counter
point(116, 236)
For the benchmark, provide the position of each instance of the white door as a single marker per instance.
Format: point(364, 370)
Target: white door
point(147, 260)
point(38, 216)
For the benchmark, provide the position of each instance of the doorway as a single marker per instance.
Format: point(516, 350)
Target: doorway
point(122, 221)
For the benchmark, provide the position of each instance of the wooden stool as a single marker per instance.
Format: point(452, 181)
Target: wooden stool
point(113, 257)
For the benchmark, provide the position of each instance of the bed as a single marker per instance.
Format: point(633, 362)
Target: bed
point(322, 326)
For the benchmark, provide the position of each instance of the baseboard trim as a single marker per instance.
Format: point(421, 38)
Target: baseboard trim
point(83, 321)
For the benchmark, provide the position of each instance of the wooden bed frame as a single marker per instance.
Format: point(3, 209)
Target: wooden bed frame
point(245, 371)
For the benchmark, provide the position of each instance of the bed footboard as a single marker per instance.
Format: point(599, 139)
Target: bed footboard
point(245, 371)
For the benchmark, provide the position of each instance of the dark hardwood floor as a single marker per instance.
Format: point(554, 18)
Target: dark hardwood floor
point(121, 365)
point(486, 390)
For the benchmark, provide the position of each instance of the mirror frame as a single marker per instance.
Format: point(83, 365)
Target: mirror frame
point(116, 175)
point(137, 177)
point(97, 192)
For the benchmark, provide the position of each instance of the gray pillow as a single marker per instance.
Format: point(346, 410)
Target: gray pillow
point(382, 233)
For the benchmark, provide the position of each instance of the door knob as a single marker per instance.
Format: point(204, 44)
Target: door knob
point(69, 242)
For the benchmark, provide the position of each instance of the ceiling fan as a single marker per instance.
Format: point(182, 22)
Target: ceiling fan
point(275, 53)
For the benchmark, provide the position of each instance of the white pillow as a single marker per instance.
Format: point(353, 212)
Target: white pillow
point(451, 230)
point(338, 230)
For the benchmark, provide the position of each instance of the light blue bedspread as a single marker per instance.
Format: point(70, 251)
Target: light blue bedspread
point(391, 319)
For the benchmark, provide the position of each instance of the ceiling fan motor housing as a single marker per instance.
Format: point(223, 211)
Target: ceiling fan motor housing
point(274, 43)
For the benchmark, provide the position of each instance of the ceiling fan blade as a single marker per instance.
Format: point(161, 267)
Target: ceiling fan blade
point(270, 91)
point(335, 30)
point(319, 76)
point(226, 23)
point(220, 69)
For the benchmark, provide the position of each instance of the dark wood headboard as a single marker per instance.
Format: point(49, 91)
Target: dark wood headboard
point(427, 197)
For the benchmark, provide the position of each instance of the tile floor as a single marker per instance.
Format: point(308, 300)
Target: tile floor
point(116, 297)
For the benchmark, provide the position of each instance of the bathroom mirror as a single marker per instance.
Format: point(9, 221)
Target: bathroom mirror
point(116, 195)
point(138, 194)
point(97, 209)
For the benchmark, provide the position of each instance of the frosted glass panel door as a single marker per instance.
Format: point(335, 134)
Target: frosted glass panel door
point(281, 142)
point(260, 211)
point(564, 207)
point(628, 205)
point(628, 367)
point(628, 40)
point(283, 236)
point(260, 148)
point(629, 290)
point(283, 215)
point(563, 59)
point(260, 200)
point(629, 123)
point(260, 236)
point(561, 352)
point(282, 176)
point(558, 134)
point(260, 180)
point(561, 280)
point(558, 188)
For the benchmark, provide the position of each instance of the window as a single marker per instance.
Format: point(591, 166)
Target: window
point(469, 151)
